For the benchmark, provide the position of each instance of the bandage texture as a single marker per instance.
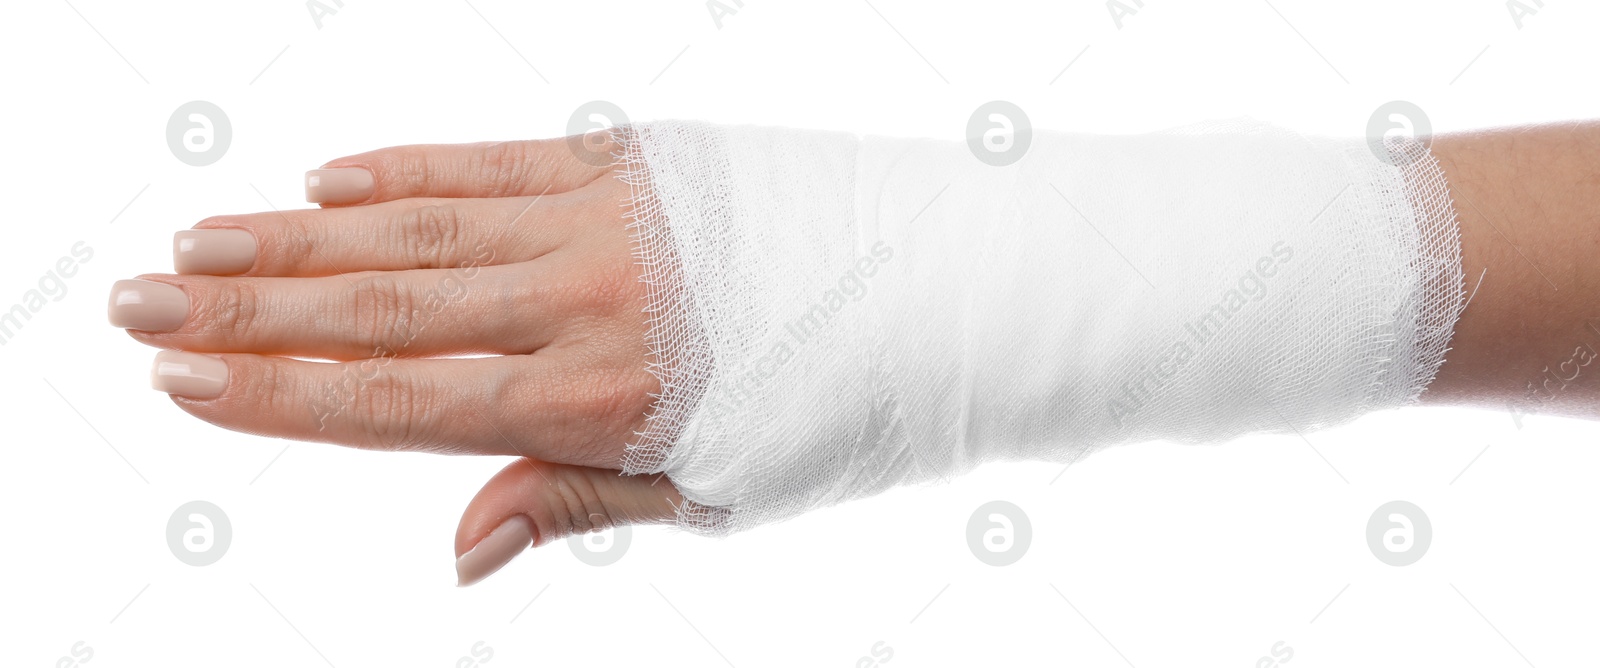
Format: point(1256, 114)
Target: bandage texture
point(834, 316)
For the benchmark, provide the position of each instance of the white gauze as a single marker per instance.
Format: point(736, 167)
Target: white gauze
point(833, 316)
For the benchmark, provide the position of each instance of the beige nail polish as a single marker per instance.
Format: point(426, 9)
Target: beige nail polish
point(189, 375)
point(508, 540)
point(344, 185)
point(147, 306)
point(213, 252)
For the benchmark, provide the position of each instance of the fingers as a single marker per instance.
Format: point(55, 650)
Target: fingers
point(542, 406)
point(505, 310)
point(490, 169)
point(533, 503)
point(413, 234)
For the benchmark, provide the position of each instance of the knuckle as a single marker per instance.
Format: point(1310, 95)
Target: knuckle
point(636, 395)
point(608, 143)
point(392, 412)
point(505, 166)
point(261, 386)
point(614, 403)
point(610, 287)
point(289, 245)
point(234, 308)
point(385, 316)
point(587, 416)
point(274, 388)
point(430, 234)
point(576, 504)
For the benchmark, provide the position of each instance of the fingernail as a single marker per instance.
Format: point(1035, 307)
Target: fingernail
point(189, 375)
point(344, 185)
point(508, 540)
point(213, 252)
point(147, 305)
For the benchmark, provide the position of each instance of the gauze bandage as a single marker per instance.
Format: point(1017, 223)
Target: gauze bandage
point(832, 316)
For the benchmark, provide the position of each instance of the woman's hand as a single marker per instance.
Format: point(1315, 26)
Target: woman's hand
point(515, 250)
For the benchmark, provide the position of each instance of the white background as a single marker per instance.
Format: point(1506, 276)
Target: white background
point(1148, 555)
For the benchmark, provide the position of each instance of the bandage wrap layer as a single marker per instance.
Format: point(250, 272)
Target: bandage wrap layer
point(833, 316)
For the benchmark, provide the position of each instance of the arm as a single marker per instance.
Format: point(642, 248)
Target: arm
point(1527, 200)
point(1189, 286)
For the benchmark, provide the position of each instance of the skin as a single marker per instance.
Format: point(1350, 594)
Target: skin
point(539, 238)
point(1528, 200)
point(555, 297)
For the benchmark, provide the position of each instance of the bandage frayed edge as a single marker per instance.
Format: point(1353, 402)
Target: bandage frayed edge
point(679, 351)
point(1435, 263)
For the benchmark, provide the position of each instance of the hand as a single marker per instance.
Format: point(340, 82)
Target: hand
point(515, 250)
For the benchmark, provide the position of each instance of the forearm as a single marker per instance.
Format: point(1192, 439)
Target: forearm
point(1527, 201)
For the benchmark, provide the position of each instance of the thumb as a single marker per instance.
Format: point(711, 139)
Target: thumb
point(533, 503)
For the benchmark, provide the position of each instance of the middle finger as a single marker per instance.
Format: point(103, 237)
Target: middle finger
point(509, 309)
